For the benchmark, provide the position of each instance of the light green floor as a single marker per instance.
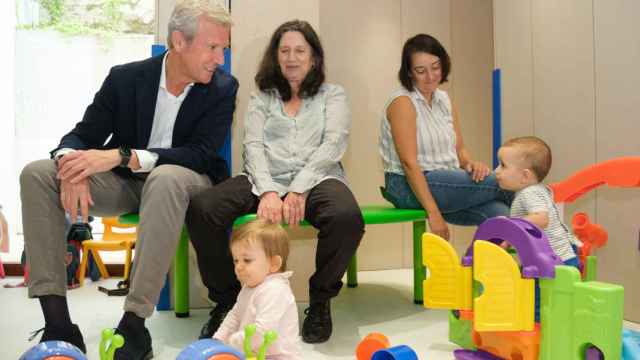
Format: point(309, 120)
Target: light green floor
point(382, 303)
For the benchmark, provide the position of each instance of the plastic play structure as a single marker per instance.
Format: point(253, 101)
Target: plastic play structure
point(492, 297)
point(209, 349)
point(375, 346)
point(53, 350)
point(206, 349)
point(60, 350)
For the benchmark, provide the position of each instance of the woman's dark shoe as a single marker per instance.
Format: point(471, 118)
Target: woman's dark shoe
point(137, 345)
point(317, 326)
point(216, 316)
point(70, 334)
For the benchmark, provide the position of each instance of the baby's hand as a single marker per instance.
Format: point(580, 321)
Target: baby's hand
point(505, 245)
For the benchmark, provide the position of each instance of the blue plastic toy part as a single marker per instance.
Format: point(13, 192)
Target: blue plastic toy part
point(205, 348)
point(630, 345)
point(47, 349)
point(401, 352)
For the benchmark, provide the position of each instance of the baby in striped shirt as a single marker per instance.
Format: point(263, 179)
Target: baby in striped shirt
point(524, 163)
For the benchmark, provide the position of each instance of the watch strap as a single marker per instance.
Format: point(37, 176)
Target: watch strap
point(125, 154)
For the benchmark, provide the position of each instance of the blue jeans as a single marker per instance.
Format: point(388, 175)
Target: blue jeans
point(460, 200)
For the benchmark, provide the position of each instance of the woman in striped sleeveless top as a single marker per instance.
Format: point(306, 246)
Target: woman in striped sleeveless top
point(425, 160)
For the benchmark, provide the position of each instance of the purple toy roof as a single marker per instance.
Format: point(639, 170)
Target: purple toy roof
point(536, 256)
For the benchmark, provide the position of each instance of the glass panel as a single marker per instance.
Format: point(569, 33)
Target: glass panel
point(63, 52)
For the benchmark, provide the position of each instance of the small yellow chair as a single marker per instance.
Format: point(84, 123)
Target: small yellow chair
point(111, 241)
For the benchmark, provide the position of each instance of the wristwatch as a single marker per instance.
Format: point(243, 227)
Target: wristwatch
point(125, 154)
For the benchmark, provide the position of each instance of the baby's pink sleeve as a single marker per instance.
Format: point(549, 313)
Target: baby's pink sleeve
point(229, 325)
point(270, 309)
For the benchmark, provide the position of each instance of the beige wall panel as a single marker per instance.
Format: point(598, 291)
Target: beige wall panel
point(431, 17)
point(255, 21)
point(471, 52)
point(619, 260)
point(163, 12)
point(617, 98)
point(564, 87)
point(472, 58)
point(363, 57)
point(513, 55)
point(461, 237)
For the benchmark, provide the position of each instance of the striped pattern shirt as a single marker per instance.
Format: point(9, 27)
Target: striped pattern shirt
point(538, 198)
point(435, 134)
point(285, 153)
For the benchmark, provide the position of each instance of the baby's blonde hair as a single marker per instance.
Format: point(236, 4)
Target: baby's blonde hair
point(536, 154)
point(272, 237)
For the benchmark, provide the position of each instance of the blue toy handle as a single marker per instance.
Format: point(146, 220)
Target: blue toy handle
point(205, 348)
point(401, 352)
point(53, 348)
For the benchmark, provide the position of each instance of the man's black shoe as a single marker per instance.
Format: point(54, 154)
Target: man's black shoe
point(137, 346)
point(317, 326)
point(216, 316)
point(70, 334)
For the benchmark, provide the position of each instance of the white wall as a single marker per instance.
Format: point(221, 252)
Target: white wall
point(8, 184)
point(56, 77)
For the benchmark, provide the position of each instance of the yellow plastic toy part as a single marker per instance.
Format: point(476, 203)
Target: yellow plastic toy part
point(449, 283)
point(507, 301)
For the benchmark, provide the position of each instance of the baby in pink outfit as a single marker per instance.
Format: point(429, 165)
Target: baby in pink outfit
point(260, 249)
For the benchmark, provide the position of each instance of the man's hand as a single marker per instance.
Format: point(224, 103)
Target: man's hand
point(73, 193)
point(270, 207)
point(79, 165)
point(478, 170)
point(293, 208)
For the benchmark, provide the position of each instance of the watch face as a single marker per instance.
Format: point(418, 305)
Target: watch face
point(125, 154)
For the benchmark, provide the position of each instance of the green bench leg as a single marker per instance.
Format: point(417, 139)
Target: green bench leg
point(419, 271)
point(181, 276)
point(352, 272)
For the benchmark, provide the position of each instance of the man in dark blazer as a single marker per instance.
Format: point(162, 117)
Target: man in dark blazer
point(149, 142)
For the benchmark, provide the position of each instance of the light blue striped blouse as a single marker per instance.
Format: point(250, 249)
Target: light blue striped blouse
point(435, 134)
point(294, 154)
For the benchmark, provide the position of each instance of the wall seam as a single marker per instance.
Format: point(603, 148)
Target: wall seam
point(595, 103)
point(533, 66)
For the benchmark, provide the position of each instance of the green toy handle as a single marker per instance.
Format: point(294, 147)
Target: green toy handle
point(109, 343)
point(249, 331)
point(269, 338)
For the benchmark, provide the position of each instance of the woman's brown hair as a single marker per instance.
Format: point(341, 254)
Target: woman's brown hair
point(269, 76)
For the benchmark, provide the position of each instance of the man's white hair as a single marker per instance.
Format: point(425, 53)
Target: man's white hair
point(186, 13)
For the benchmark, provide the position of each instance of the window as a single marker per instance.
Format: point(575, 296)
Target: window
point(63, 51)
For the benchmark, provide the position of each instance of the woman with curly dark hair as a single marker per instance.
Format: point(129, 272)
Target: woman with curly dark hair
point(296, 132)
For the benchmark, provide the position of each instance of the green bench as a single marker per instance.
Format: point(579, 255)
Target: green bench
point(373, 214)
